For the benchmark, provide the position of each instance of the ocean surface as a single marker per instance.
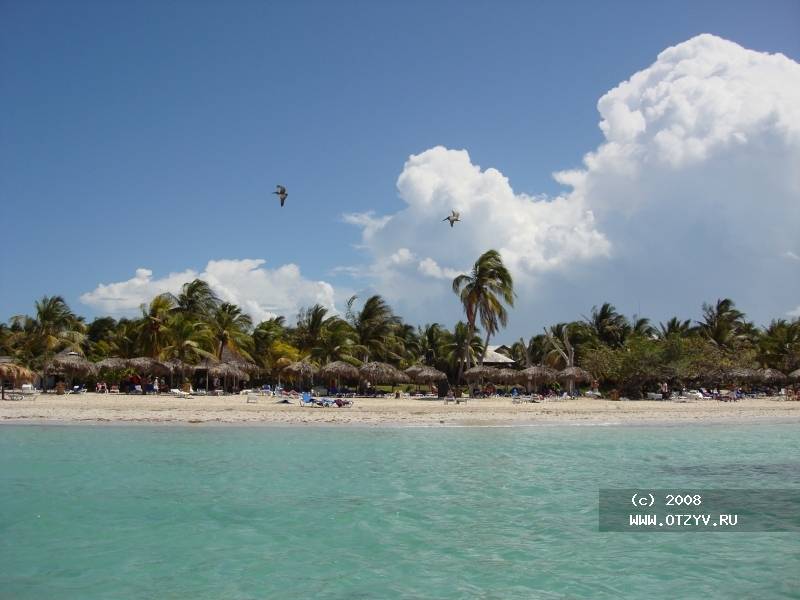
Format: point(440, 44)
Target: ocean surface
point(130, 512)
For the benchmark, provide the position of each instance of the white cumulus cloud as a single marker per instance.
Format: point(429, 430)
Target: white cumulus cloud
point(261, 292)
point(691, 196)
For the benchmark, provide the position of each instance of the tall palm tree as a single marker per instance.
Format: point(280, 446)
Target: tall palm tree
point(310, 324)
point(722, 323)
point(674, 327)
point(640, 326)
point(463, 345)
point(187, 339)
point(153, 325)
point(196, 298)
point(432, 339)
point(779, 345)
point(266, 333)
point(607, 325)
point(373, 327)
point(483, 292)
point(408, 343)
point(53, 327)
point(230, 328)
point(335, 342)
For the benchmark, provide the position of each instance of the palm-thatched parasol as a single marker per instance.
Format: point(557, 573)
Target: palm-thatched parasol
point(232, 357)
point(176, 365)
point(149, 366)
point(574, 374)
point(378, 372)
point(301, 368)
point(69, 362)
point(509, 376)
point(112, 364)
point(413, 370)
point(481, 372)
point(539, 373)
point(339, 370)
point(771, 375)
point(795, 375)
point(741, 374)
point(10, 370)
point(427, 375)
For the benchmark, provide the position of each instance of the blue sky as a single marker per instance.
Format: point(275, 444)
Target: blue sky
point(151, 135)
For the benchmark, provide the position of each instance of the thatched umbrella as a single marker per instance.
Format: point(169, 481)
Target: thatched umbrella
point(232, 357)
point(378, 372)
point(427, 375)
point(741, 374)
point(573, 375)
point(509, 376)
point(301, 369)
point(14, 372)
point(794, 375)
point(481, 372)
point(176, 365)
point(112, 364)
point(413, 370)
point(539, 373)
point(771, 375)
point(149, 366)
point(69, 363)
point(338, 370)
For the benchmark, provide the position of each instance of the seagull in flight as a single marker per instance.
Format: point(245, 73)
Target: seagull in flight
point(453, 218)
point(281, 192)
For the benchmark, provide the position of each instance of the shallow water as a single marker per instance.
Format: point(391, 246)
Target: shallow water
point(235, 512)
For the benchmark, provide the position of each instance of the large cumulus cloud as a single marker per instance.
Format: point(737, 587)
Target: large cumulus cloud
point(694, 195)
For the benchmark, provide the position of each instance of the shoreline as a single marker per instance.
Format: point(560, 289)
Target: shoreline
point(103, 409)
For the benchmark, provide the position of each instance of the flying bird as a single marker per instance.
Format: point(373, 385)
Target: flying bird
point(453, 218)
point(281, 192)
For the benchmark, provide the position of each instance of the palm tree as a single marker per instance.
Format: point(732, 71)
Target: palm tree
point(335, 342)
point(153, 325)
point(54, 327)
point(483, 292)
point(187, 339)
point(197, 299)
point(674, 327)
point(266, 333)
point(641, 327)
point(373, 327)
point(230, 329)
point(310, 324)
point(462, 345)
point(607, 325)
point(779, 345)
point(722, 323)
point(432, 339)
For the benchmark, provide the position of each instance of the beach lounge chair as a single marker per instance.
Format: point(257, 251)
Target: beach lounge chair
point(114, 389)
point(252, 398)
point(307, 400)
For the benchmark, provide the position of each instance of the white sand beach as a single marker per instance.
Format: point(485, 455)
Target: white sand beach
point(103, 408)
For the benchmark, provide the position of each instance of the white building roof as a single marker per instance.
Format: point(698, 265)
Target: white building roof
point(494, 357)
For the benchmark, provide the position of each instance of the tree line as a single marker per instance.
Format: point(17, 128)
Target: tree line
point(626, 353)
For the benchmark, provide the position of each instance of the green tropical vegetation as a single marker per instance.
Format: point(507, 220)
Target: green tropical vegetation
point(627, 353)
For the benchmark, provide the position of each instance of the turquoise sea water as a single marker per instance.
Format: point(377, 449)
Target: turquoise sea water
point(231, 512)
